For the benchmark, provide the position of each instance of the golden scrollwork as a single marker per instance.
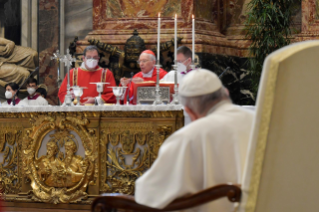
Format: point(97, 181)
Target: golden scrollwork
point(129, 158)
point(70, 157)
point(9, 178)
point(57, 177)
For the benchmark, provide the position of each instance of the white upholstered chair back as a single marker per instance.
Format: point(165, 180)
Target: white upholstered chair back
point(282, 168)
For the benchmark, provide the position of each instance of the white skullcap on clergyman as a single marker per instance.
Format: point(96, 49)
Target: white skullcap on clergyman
point(199, 82)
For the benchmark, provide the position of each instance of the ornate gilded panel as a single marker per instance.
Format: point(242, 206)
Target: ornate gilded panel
point(127, 150)
point(70, 157)
point(59, 177)
point(10, 180)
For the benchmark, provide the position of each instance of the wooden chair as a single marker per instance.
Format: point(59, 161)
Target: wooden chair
point(126, 202)
point(282, 166)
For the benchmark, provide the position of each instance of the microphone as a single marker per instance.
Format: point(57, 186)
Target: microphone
point(222, 74)
point(32, 74)
point(128, 90)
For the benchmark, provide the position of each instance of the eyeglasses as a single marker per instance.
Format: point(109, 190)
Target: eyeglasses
point(92, 58)
point(142, 61)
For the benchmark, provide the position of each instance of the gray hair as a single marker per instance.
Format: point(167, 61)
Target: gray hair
point(201, 104)
point(152, 57)
point(90, 48)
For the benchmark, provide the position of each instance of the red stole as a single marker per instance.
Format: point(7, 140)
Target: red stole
point(10, 100)
point(83, 78)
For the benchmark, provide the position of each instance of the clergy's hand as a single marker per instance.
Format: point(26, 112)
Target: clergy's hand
point(72, 94)
point(89, 100)
point(137, 80)
point(124, 81)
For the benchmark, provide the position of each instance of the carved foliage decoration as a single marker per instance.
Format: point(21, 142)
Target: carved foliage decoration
point(128, 150)
point(9, 174)
point(55, 177)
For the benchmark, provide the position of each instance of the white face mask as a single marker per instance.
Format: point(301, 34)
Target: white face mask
point(181, 68)
point(8, 95)
point(31, 90)
point(91, 63)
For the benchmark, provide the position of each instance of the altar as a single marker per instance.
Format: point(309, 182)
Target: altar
point(63, 157)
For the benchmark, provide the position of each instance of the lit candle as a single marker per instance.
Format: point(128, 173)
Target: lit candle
point(175, 39)
point(193, 39)
point(158, 36)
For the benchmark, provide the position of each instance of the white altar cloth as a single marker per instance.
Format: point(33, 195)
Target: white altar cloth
point(17, 109)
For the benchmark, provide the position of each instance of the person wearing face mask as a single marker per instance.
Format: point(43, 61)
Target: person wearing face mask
point(34, 98)
point(90, 72)
point(184, 61)
point(11, 90)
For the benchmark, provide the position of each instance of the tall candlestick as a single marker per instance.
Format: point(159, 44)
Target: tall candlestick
point(193, 38)
point(175, 96)
point(175, 39)
point(158, 100)
point(158, 37)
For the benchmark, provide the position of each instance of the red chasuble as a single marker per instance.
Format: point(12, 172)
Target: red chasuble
point(83, 78)
point(140, 75)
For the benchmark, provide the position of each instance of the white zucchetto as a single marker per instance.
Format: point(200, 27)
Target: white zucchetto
point(199, 82)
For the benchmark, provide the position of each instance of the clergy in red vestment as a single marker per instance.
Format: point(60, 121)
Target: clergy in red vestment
point(147, 61)
point(90, 72)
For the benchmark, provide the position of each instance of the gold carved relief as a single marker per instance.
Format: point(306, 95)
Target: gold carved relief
point(9, 173)
point(40, 153)
point(128, 150)
point(57, 177)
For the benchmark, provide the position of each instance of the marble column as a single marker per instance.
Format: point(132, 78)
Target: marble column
point(34, 25)
point(78, 19)
point(49, 27)
point(29, 32)
point(1, 29)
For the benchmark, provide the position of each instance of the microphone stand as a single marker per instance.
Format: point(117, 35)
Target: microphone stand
point(14, 96)
point(222, 74)
point(175, 100)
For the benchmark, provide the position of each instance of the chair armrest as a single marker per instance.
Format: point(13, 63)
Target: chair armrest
point(127, 202)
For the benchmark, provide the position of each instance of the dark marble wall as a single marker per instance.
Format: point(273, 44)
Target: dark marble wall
point(10, 18)
point(236, 79)
point(48, 43)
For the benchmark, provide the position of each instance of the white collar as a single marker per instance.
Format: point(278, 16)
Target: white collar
point(149, 74)
point(218, 105)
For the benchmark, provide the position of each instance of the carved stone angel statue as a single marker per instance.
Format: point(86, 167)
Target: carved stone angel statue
point(122, 63)
point(16, 62)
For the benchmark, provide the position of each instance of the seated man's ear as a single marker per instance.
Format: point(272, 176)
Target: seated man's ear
point(227, 91)
point(191, 113)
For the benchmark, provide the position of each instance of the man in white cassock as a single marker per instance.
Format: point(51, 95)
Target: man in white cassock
point(184, 61)
point(209, 151)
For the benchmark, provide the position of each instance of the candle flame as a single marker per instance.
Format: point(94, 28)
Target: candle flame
point(193, 16)
point(159, 15)
point(175, 15)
